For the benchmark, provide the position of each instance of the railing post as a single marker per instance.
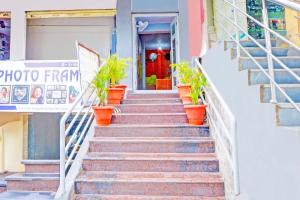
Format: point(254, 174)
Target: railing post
point(62, 185)
point(237, 33)
point(269, 49)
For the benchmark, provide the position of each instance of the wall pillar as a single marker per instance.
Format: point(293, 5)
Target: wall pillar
point(18, 35)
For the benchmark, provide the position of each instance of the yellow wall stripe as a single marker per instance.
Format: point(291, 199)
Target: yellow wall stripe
point(70, 13)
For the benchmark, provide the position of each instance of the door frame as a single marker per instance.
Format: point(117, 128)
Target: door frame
point(134, 45)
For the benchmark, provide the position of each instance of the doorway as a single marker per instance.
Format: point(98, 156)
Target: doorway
point(155, 48)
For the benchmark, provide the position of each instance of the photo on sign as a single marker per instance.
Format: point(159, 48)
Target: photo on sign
point(73, 94)
point(56, 94)
point(20, 94)
point(4, 94)
point(37, 94)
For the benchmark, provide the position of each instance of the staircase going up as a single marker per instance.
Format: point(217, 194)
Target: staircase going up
point(150, 152)
point(286, 114)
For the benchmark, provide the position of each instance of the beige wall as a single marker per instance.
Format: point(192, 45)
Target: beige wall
point(12, 144)
point(292, 25)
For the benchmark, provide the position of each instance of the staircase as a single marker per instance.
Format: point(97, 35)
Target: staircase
point(286, 114)
point(150, 152)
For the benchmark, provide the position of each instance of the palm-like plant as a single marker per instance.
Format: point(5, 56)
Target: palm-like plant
point(198, 81)
point(184, 72)
point(117, 68)
point(100, 84)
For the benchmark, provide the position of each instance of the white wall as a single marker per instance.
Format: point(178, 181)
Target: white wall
point(268, 155)
point(18, 23)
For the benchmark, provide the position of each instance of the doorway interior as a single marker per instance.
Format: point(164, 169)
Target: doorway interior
point(155, 48)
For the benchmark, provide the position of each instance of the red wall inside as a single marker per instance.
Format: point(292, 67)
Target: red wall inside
point(160, 67)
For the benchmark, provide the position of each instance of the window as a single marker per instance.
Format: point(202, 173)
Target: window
point(4, 36)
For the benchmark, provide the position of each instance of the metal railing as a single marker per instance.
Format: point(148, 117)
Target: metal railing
point(223, 128)
point(74, 126)
point(222, 19)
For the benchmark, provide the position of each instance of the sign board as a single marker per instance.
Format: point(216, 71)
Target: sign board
point(38, 86)
point(89, 63)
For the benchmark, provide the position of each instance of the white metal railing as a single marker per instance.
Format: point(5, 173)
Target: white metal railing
point(223, 129)
point(223, 19)
point(79, 118)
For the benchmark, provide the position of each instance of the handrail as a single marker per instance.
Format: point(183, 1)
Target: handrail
point(268, 50)
point(82, 107)
point(231, 132)
point(287, 3)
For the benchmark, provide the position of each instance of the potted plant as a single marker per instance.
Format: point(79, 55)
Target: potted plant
point(117, 71)
point(196, 111)
point(103, 113)
point(184, 73)
point(151, 82)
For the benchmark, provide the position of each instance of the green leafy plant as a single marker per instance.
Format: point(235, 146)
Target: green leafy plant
point(150, 81)
point(198, 81)
point(184, 72)
point(117, 68)
point(100, 84)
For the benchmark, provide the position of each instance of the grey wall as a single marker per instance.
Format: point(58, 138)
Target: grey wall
point(155, 5)
point(124, 35)
point(18, 21)
point(184, 30)
point(268, 155)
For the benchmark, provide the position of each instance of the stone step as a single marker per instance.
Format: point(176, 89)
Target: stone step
point(142, 197)
point(248, 43)
point(41, 166)
point(153, 145)
point(33, 182)
point(256, 76)
point(150, 183)
point(292, 62)
point(174, 130)
point(258, 52)
point(151, 162)
point(151, 108)
point(13, 195)
point(152, 101)
point(287, 115)
point(131, 95)
point(292, 90)
point(149, 118)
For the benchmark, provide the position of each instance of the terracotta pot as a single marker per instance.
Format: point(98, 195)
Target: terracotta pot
point(122, 87)
point(103, 115)
point(187, 99)
point(115, 96)
point(183, 90)
point(195, 114)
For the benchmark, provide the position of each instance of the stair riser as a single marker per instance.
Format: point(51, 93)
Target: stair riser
point(139, 197)
point(28, 185)
point(150, 188)
point(151, 96)
point(151, 108)
point(153, 147)
point(37, 168)
point(152, 132)
point(281, 77)
point(230, 44)
point(287, 116)
point(151, 165)
point(292, 92)
point(149, 119)
point(249, 64)
point(151, 101)
point(261, 53)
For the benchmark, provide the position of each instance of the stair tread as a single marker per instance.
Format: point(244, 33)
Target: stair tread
point(179, 125)
point(33, 176)
point(195, 177)
point(151, 139)
point(40, 162)
point(142, 197)
point(147, 114)
point(150, 156)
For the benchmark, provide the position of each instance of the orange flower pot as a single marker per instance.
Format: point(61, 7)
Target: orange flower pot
point(195, 114)
point(183, 90)
point(122, 87)
point(103, 115)
point(187, 99)
point(115, 96)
